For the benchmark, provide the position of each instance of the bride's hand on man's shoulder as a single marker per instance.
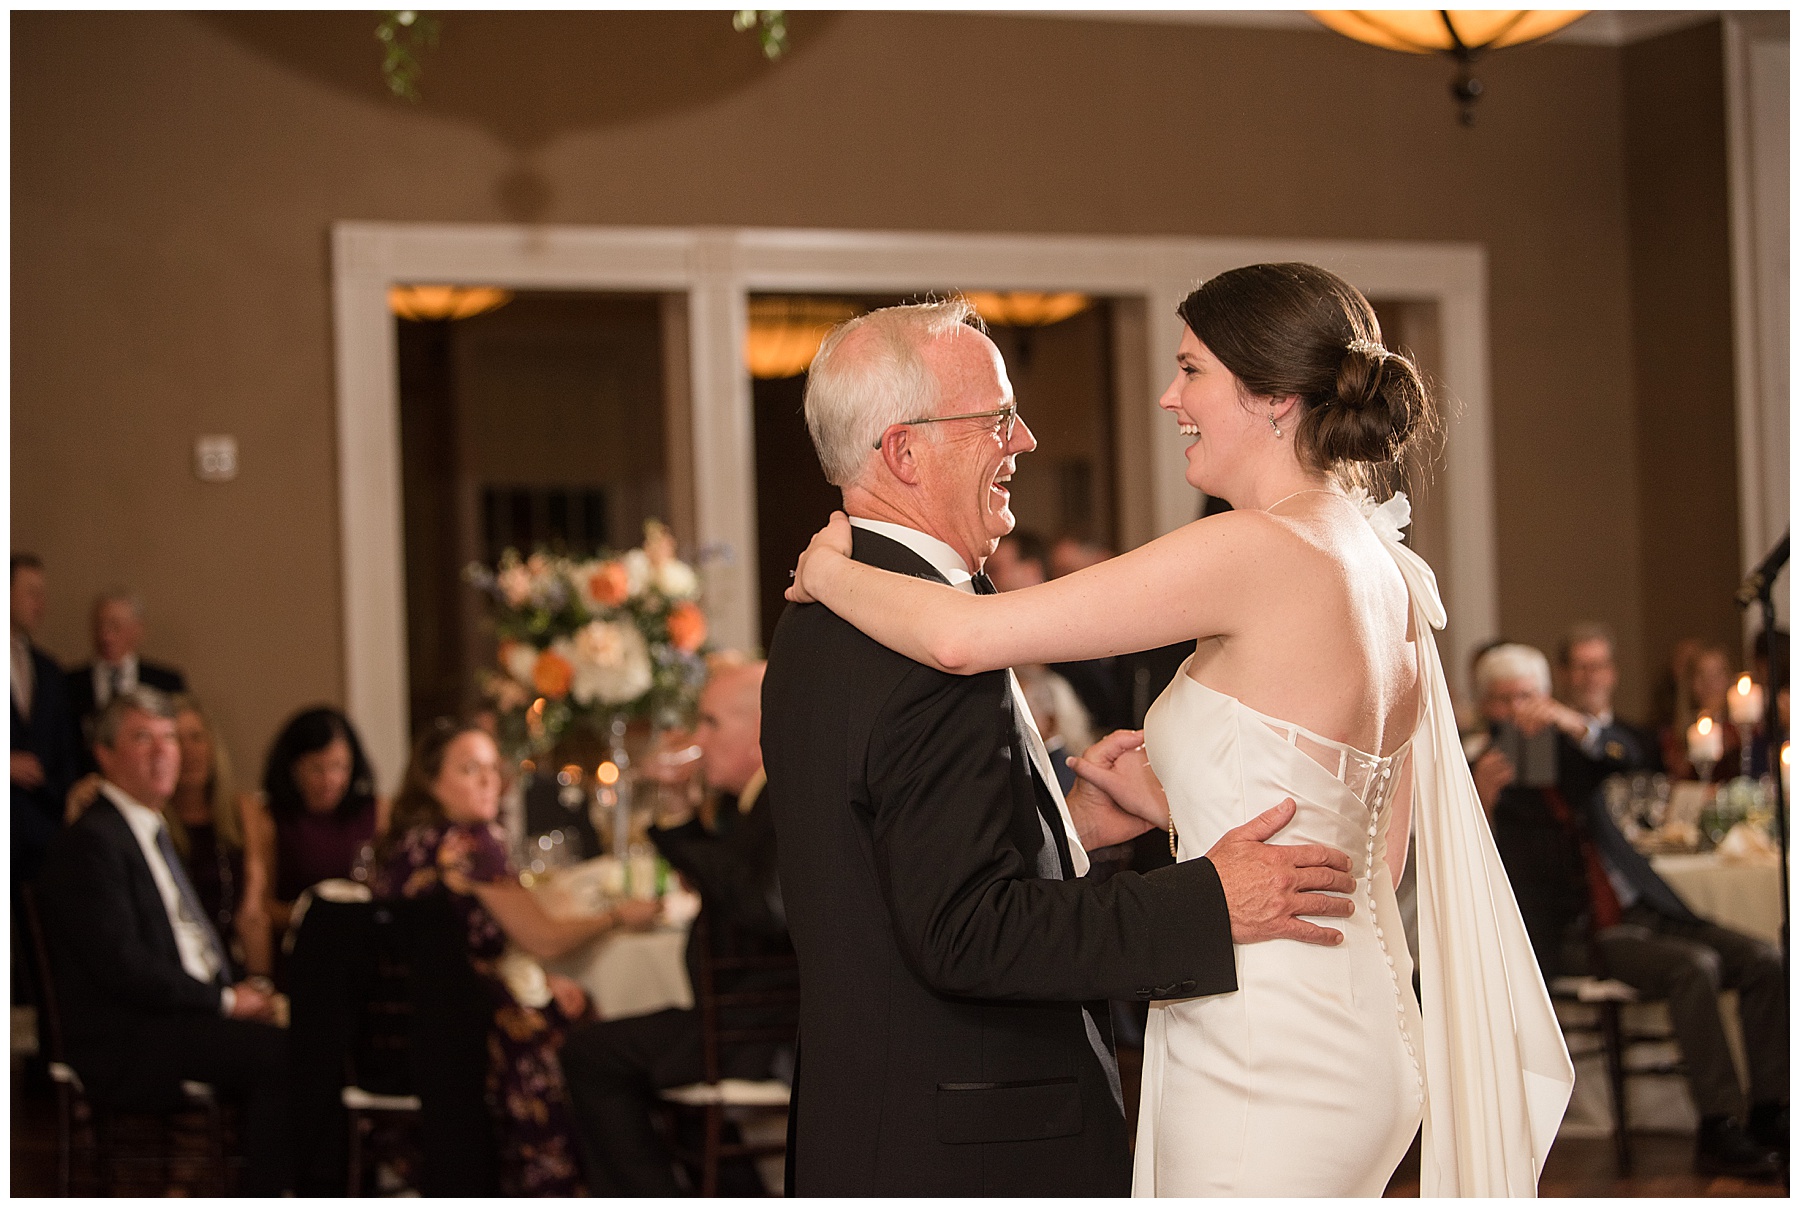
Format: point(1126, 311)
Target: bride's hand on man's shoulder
point(1118, 766)
point(831, 541)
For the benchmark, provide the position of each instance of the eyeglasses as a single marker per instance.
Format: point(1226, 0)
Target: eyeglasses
point(1005, 418)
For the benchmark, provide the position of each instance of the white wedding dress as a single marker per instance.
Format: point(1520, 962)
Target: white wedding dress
point(1311, 1078)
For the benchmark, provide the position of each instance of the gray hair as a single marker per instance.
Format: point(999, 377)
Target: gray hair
point(1583, 632)
point(139, 699)
point(854, 395)
point(1511, 661)
point(122, 595)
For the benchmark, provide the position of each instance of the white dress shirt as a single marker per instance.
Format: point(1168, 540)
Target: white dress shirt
point(948, 563)
point(191, 941)
point(22, 683)
point(103, 678)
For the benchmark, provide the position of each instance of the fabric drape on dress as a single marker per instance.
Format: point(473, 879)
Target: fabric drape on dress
point(1497, 1073)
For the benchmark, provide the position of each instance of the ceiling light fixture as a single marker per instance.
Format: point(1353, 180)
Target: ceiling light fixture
point(1462, 34)
point(425, 303)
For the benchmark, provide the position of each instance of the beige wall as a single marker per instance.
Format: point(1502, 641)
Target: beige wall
point(1682, 353)
point(175, 176)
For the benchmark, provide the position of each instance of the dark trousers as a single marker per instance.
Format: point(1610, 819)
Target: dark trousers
point(613, 1071)
point(1687, 964)
point(245, 1062)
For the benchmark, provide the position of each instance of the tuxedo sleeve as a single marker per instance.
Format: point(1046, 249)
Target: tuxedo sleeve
point(737, 877)
point(87, 893)
point(972, 919)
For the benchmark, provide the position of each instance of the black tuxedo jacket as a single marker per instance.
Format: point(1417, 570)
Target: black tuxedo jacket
point(112, 950)
point(83, 707)
point(48, 735)
point(954, 1038)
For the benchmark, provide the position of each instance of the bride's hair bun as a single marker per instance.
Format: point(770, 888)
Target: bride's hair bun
point(1296, 329)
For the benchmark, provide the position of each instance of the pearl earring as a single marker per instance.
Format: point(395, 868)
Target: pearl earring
point(1274, 425)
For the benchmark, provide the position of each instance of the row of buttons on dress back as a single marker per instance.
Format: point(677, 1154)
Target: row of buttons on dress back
point(1379, 800)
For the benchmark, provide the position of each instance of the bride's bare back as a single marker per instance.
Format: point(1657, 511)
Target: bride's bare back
point(1324, 639)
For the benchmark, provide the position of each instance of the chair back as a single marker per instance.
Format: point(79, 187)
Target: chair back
point(49, 1024)
point(744, 1000)
point(452, 1014)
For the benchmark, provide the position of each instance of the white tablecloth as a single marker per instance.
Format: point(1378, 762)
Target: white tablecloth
point(627, 972)
point(632, 972)
point(1742, 896)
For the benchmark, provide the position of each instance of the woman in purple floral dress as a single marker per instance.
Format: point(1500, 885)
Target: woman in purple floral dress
point(444, 834)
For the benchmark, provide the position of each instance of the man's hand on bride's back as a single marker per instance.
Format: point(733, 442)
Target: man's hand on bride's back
point(1268, 885)
point(831, 541)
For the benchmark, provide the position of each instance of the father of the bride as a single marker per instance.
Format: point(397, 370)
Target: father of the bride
point(954, 963)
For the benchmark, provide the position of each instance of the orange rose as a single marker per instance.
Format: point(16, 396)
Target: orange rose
point(551, 675)
point(611, 584)
point(687, 627)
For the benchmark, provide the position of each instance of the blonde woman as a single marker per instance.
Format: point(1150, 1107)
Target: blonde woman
point(216, 831)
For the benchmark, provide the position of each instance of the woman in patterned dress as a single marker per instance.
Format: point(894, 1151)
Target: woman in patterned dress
point(444, 834)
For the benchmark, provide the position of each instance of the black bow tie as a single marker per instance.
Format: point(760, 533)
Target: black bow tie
point(983, 585)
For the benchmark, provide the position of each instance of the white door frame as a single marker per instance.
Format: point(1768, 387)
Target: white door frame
point(717, 268)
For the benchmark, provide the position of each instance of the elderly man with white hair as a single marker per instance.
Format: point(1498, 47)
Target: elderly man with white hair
point(1593, 904)
point(118, 627)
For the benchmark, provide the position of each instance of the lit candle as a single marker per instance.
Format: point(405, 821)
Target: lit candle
point(1746, 702)
point(1705, 742)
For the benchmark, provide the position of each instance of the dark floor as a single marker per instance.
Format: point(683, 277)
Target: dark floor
point(1664, 1162)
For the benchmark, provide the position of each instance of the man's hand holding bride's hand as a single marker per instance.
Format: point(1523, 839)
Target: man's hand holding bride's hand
point(1268, 885)
point(832, 541)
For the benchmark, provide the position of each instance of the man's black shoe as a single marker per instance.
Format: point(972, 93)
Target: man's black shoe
point(1769, 1127)
point(1724, 1148)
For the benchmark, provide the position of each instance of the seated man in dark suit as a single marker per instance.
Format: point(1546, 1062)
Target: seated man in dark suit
point(614, 1069)
point(1592, 904)
point(140, 971)
point(118, 632)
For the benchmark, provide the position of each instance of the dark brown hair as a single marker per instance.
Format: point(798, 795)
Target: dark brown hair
point(1295, 329)
point(416, 805)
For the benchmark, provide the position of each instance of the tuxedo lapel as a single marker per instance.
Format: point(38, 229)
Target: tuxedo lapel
point(888, 554)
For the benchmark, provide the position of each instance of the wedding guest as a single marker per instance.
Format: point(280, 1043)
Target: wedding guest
point(1591, 676)
point(319, 809)
point(212, 828)
point(1071, 553)
point(445, 837)
point(1703, 691)
point(616, 1067)
point(142, 975)
point(118, 622)
point(1592, 904)
point(43, 750)
point(1020, 560)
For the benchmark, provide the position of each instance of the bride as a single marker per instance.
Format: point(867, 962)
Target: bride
point(1316, 677)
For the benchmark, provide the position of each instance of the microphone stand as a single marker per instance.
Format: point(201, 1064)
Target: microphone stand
point(1759, 587)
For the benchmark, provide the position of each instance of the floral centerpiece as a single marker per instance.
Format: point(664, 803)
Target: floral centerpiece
point(591, 641)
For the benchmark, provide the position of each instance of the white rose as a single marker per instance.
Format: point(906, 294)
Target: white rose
point(520, 659)
point(612, 664)
point(677, 580)
point(637, 565)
